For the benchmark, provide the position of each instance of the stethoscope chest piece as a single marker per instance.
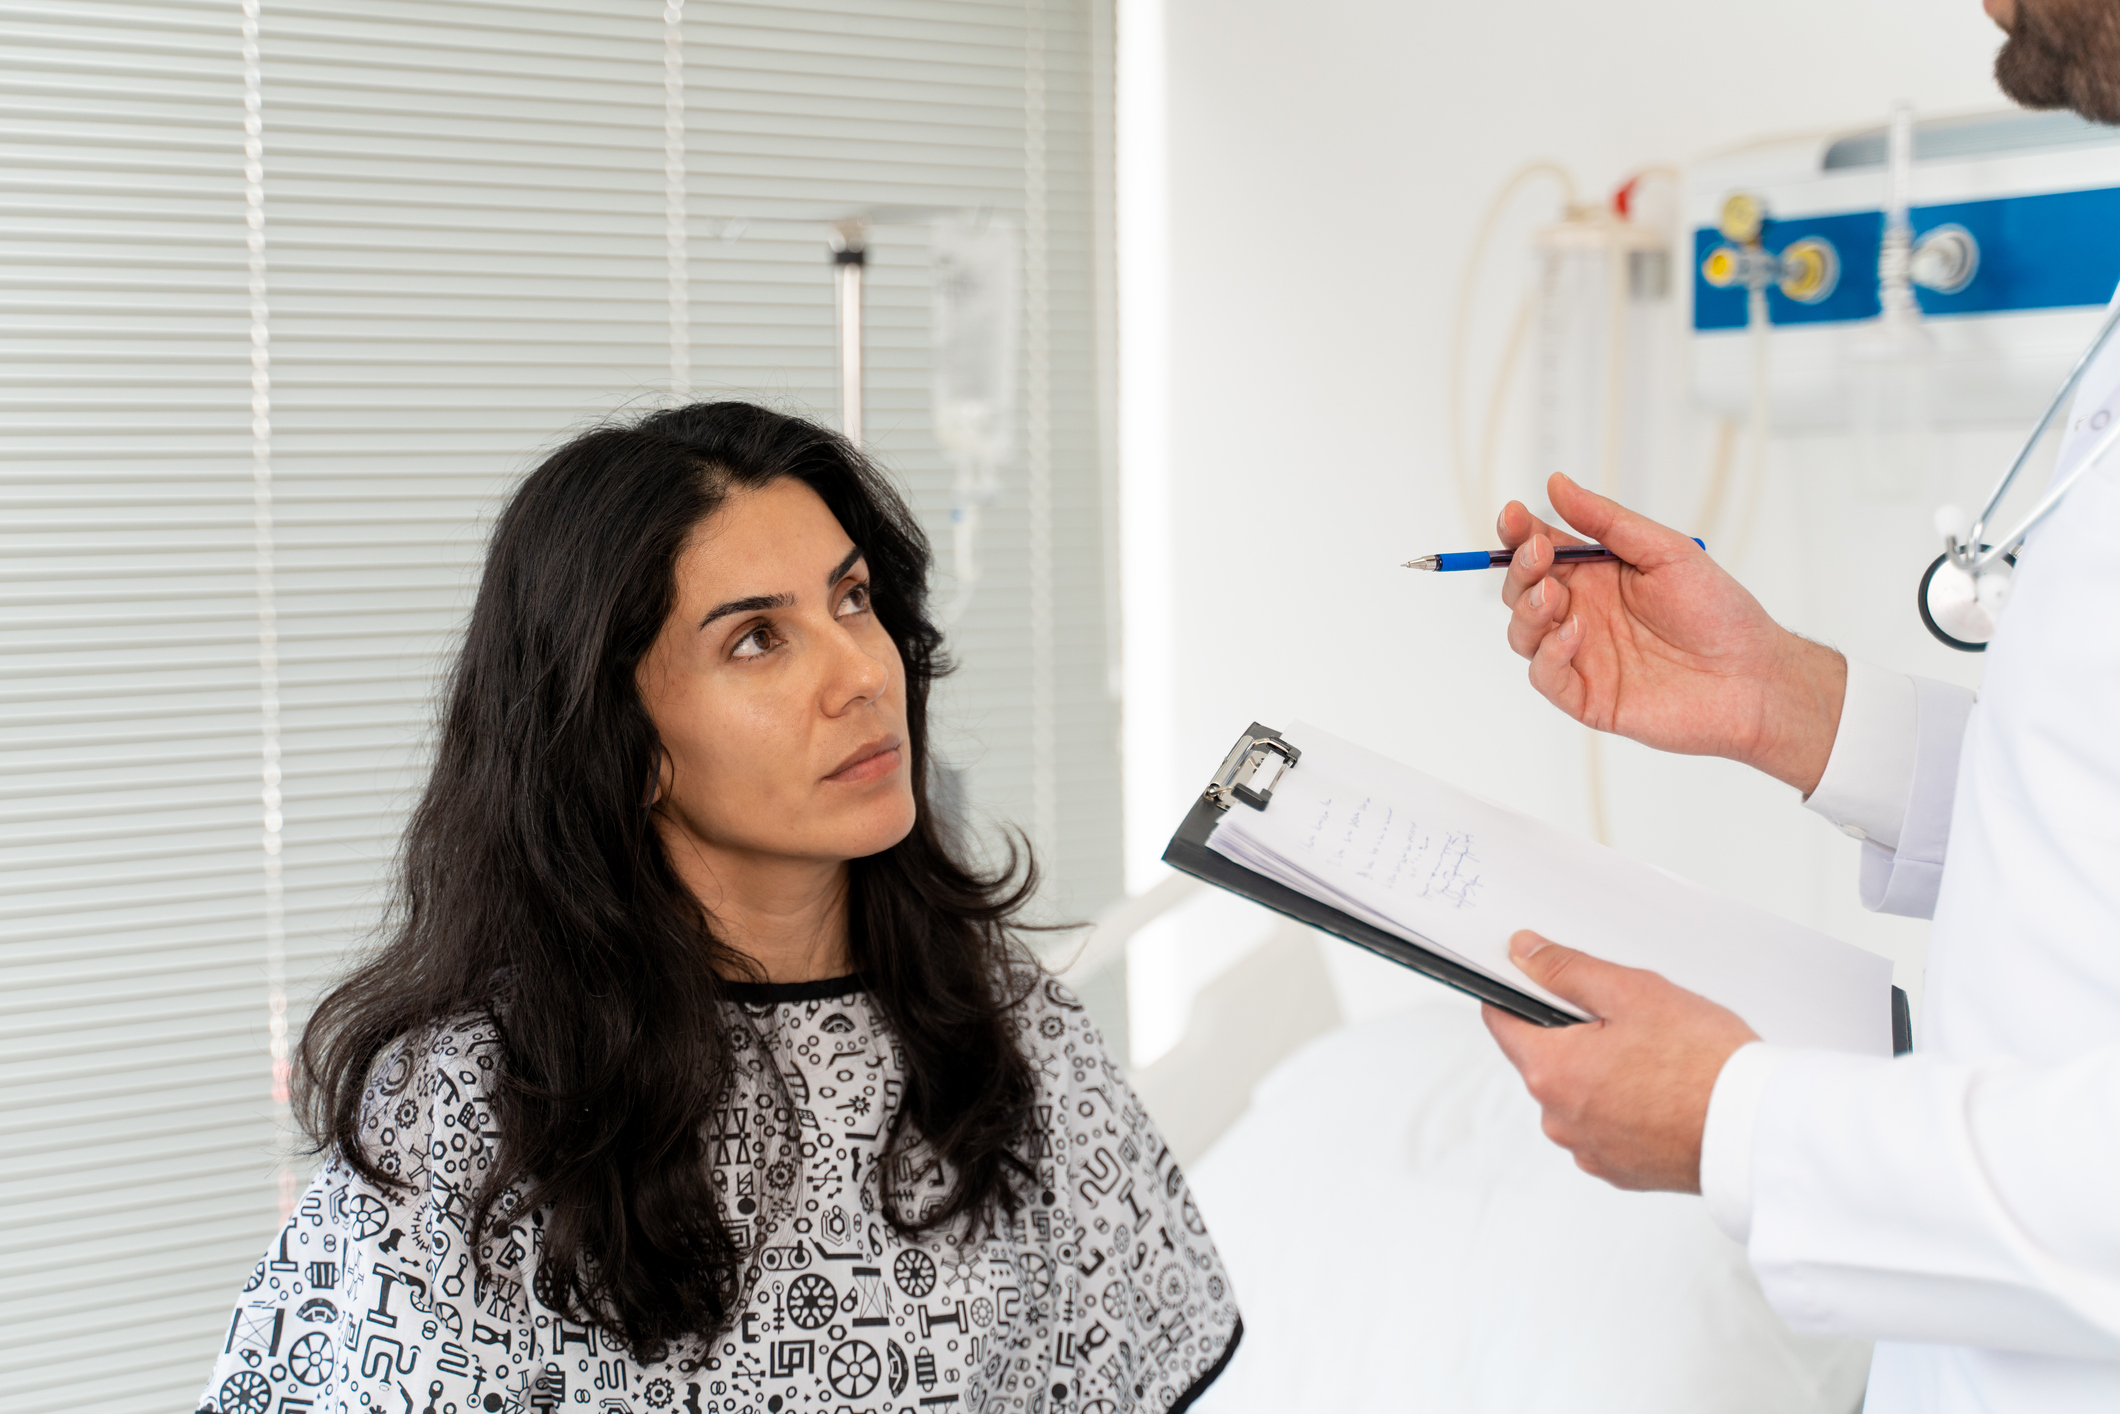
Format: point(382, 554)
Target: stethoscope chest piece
point(1963, 608)
point(1962, 595)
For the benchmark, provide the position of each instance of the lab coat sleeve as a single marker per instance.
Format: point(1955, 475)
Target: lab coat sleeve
point(1890, 779)
point(1726, 1141)
point(1923, 1199)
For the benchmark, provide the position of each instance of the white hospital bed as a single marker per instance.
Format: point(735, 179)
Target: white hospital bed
point(1403, 1237)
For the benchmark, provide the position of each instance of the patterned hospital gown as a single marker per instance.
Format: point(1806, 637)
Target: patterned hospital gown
point(1104, 1294)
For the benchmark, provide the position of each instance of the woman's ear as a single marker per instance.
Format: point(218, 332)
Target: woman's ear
point(659, 778)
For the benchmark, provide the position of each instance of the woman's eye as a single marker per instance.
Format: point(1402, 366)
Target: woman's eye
point(755, 644)
point(856, 602)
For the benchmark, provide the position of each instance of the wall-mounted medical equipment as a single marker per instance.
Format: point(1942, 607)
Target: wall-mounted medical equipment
point(1892, 359)
point(1582, 346)
point(1603, 283)
point(1584, 363)
point(1898, 281)
point(1980, 258)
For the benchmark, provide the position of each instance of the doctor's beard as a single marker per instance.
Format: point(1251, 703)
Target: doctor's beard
point(2064, 54)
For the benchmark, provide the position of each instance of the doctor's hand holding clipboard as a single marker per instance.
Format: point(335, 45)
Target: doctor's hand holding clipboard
point(1956, 1204)
point(1661, 645)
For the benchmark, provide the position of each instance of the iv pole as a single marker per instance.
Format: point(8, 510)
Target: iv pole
point(850, 253)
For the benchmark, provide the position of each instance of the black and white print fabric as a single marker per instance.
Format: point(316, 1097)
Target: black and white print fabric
point(1103, 1295)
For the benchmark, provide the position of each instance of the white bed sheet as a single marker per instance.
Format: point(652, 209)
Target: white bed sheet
point(1402, 1237)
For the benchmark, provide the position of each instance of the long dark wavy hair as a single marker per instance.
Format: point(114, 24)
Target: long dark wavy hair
point(534, 893)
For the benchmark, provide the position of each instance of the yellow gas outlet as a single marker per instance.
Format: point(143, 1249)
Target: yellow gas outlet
point(1810, 270)
point(1743, 217)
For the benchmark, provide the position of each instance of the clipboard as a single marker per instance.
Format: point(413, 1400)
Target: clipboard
point(1262, 755)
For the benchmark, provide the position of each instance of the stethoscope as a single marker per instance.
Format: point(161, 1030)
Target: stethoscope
point(1962, 594)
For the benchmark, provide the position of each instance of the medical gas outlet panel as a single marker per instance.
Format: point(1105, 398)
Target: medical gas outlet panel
point(2015, 223)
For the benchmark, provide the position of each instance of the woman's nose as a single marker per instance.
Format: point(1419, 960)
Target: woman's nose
point(858, 676)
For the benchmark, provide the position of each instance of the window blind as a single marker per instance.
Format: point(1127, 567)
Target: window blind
point(136, 1137)
point(266, 389)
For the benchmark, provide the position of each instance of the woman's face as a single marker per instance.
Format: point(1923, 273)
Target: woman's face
point(779, 698)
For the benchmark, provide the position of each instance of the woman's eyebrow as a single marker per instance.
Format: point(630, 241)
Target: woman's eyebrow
point(749, 606)
point(758, 602)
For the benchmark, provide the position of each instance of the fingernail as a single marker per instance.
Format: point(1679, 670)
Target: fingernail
point(1525, 554)
point(1568, 628)
point(1523, 945)
point(1538, 595)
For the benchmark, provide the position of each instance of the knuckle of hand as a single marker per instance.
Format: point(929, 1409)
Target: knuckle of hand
point(1569, 1110)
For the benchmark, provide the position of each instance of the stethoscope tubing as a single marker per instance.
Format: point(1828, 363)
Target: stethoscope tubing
point(1971, 559)
point(2010, 544)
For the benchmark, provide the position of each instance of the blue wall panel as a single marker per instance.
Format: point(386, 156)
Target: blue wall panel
point(2051, 251)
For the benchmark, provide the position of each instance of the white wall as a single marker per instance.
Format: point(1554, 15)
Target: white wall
point(1324, 166)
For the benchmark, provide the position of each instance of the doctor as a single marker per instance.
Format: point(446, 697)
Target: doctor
point(1960, 1205)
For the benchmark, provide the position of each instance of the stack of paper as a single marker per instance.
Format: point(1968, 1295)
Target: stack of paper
point(1427, 862)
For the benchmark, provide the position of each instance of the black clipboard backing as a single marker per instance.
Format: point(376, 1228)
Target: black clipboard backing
point(1188, 853)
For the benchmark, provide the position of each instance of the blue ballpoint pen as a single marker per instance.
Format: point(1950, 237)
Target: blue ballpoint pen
point(1495, 559)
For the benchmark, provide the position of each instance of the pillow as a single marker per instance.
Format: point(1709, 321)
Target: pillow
point(1403, 1237)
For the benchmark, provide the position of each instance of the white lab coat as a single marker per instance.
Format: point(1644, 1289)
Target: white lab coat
point(1962, 1205)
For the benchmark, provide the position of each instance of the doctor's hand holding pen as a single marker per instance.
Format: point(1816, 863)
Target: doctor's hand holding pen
point(1661, 645)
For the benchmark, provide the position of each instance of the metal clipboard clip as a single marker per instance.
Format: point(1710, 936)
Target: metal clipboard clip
point(1237, 779)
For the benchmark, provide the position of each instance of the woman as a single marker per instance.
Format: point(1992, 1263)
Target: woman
point(699, 1070)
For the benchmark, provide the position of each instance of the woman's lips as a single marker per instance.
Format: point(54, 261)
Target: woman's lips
point(873, 761)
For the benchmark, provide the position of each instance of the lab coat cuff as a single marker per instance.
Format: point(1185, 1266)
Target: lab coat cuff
point(1905, 879)
point(1871, 770)
point(1726, 1141)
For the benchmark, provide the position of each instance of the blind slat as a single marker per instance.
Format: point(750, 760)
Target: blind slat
point(465, 212)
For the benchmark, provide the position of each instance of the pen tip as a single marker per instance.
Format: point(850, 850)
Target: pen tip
point(1426, 562)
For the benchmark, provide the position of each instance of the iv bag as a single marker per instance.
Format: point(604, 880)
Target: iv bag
point(978, 310)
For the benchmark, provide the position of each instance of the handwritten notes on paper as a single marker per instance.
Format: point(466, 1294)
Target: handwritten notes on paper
point(1387, 846)
point(1456, 874)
